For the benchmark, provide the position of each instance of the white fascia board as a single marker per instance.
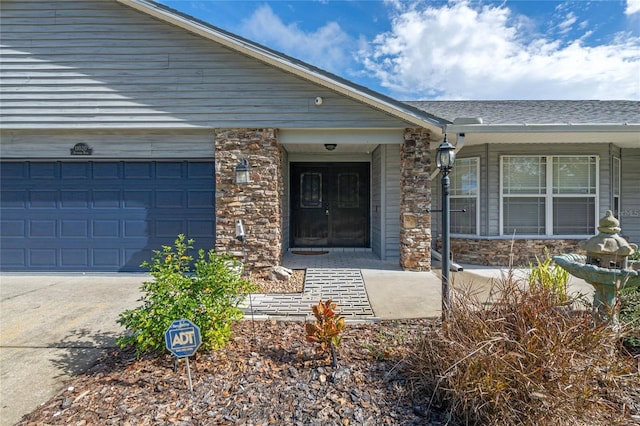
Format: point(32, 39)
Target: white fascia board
point(267, 56)
point(542, 128)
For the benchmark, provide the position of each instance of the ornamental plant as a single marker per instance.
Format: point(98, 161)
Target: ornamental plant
point(326, 329)
point(550, 276)
point(207, 292)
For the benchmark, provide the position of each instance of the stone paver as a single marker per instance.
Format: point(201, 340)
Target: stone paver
point(335, 275)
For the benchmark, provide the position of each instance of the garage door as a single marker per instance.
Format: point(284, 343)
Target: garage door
point(101, 216)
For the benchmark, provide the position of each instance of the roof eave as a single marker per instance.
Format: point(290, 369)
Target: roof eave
point(542, 128)
point(404, 112)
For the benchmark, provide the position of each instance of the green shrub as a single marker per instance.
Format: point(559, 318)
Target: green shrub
point(550, 276)
point(208, 295)
point(630, 316)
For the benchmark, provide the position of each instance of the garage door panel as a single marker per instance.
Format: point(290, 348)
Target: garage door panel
point(200, 228)
point(106, 258)
point(13, 228)
point(101, 216)
point(44, 257)
point(106, 228)
point(74, 258)
point(42, 228)
point(43, 199)
point(13, 258)
point(74, 228)
point(169, 199)
point(44, 171)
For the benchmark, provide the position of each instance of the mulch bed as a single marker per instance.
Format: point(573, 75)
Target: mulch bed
point(267, 374)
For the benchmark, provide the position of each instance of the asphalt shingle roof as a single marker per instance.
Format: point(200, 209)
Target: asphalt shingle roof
point(536, 112)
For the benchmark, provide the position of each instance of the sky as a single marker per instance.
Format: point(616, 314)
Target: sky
point(450, 50)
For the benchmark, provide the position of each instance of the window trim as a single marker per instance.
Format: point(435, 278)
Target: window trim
point(548, 195)
point(476, 160)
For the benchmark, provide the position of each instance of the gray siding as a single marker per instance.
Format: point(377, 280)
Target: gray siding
point(376, 200)
point(92, 64)
point(630, 195)
point(286, 202)
point(490, 177)
point(115, 144)
point(391, 205)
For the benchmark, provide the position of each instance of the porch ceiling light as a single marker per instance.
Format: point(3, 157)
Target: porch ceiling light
point(242, 172)
point(330, 146)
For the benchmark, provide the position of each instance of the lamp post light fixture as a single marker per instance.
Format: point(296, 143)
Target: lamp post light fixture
point(445, 157)
point(242, 172)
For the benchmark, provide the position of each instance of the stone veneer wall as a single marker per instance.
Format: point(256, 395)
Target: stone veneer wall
point(258, 204)
point(497, 252)
point(415, 200)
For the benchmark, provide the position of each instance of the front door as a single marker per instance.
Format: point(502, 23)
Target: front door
point(330, 204)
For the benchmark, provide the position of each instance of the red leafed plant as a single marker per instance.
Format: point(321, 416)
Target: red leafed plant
point(326, 329)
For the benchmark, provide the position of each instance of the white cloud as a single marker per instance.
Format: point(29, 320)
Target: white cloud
point(633, 6)
point(327, 47)
point(456, 51)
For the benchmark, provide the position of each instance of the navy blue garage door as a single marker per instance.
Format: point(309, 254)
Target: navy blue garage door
point(101, 216)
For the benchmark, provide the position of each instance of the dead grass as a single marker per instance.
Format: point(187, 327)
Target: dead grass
point(524, 360)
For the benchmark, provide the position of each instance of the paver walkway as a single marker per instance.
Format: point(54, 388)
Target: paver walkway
point(344, 286)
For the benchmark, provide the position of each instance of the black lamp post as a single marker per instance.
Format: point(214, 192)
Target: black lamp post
point(445, 157)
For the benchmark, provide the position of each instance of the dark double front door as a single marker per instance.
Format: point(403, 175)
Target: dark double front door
point(330, 204)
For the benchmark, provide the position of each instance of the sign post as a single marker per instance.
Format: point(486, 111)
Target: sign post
point(183, 340)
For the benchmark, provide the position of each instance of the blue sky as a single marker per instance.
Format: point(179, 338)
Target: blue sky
point(459, 49)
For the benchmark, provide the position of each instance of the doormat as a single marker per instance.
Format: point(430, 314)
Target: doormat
point(308, 252)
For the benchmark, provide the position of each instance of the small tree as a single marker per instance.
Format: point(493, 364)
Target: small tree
point(326, 329)
point(208, 296)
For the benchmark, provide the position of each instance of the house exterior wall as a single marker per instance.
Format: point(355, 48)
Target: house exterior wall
point(491, 248)
point(630, 195)
point(415, 201)
point(101, 64)
point(385, 202)
point(258, 204)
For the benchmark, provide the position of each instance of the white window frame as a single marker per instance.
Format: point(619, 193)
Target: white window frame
point(616, 186)
point(476, 160)
point(547, 194)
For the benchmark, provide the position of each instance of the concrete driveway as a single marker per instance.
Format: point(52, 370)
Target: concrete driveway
point(52, 328)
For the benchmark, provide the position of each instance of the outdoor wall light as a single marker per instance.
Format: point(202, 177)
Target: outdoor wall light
point(330, 146)
point(445, 157)
point(242, 172)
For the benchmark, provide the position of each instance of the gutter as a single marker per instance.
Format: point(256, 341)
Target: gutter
point(407, 113)
point(543, 128)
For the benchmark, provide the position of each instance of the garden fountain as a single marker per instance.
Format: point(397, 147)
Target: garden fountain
point(605, 267)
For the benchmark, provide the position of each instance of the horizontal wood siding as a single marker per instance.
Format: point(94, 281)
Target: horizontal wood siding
point(377, 180)
point(392, 202)
point(115, 144)
point(630, 195)
point(102, 64)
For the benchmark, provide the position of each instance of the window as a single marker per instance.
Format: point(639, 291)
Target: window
point(464, 195)
point(549, 195)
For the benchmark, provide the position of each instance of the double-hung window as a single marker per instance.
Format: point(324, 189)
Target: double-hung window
point(549, 195)
point(464, 195)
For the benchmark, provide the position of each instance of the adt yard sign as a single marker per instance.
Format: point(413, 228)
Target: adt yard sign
point(182, 338)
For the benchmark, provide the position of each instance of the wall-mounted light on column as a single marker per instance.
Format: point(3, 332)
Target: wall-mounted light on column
point(242, 172)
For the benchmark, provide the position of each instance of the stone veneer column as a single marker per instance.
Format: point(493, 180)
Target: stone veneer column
point(258, 203)
point(415, 199)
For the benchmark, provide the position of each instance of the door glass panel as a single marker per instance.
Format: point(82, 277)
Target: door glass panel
point(311, 190)
point(348, 190)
